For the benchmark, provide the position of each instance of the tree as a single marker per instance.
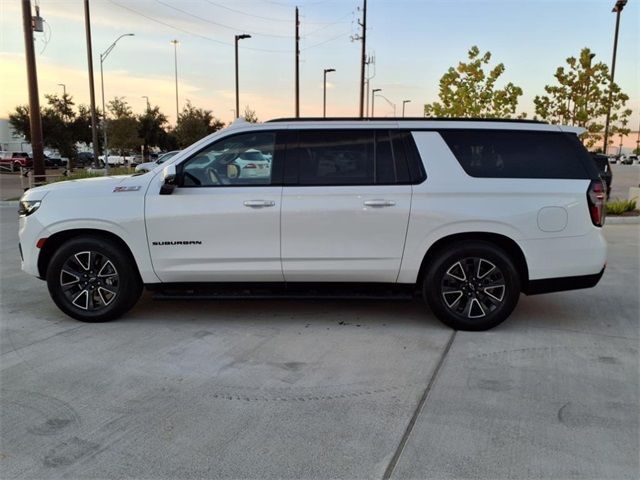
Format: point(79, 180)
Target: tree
point(151, 128)
point(195, 123)
point(250, 115)
point(122, 129)
point(467, 91)
point(581, 98)
point(60, 126)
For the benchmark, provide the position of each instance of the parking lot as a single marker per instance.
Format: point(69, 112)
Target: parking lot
point(321, 389)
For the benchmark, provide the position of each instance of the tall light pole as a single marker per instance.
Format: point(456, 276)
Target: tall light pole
point(148, 104)
point(64, 89)
point(373, 99)
point(404, 102)
point(393, 105)
point(324, 91)
point(238, 37)
point(175, 65)
point(617, 9)
point(103, 57)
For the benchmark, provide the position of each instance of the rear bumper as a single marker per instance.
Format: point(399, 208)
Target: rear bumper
point(548, 285)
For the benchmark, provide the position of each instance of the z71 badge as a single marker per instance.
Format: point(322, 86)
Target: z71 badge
point(135, 188)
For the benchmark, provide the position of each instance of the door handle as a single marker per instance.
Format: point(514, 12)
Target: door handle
point(259, 203)
point(379, 203)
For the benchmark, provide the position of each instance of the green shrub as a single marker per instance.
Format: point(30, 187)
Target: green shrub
point(618, 207)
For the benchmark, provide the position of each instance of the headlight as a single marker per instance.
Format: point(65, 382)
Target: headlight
point(27, 207)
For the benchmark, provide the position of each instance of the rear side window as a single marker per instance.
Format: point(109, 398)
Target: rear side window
point(517, 154)
point(347, 157)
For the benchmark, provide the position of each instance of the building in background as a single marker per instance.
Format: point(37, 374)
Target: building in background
point(9, 141)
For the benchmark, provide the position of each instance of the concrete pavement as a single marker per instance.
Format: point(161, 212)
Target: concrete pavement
point(319, 389)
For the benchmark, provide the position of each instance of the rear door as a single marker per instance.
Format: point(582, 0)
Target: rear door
point(345, 207)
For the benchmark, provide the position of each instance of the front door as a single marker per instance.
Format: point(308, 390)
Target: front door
point(222, 222)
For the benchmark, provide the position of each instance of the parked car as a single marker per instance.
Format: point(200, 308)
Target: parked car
point(14, 160)
point(468, 214)
point(115, 160)
point(625, 160)
point(84, 159)
point(634, 159)
point(602, 163)
point(148, 166)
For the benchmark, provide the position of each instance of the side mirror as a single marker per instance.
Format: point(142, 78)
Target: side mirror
point(169, 175)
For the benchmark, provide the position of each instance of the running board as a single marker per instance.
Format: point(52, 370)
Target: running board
point(281, 291)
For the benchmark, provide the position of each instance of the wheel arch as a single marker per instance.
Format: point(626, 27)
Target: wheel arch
point(502, 241)
point(59, 238)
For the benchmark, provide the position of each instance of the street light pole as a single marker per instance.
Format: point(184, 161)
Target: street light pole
point(64, 89)
point(324, 91)
point(404, 102)
point(373, 99)
point(238, 37)
point(617, 9)
point(103, 57)
point(175, 64)
point(148, 104)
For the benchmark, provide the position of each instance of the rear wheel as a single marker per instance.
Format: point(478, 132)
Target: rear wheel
point(472, 285)
point(93, 280)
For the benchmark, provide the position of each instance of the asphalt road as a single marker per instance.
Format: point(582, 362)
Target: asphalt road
point(319, 389)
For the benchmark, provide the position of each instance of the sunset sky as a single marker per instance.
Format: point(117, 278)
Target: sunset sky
point(414, 42)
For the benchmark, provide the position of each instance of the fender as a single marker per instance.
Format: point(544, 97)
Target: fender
point(414, 255)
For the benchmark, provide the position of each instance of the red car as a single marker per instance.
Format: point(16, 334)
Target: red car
point(15, 160)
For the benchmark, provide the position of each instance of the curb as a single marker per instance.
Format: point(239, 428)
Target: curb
point(622, 221)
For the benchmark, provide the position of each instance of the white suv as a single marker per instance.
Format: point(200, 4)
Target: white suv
point(468, 214)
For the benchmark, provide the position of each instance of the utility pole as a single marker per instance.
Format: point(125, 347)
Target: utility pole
point(617, 9)
point(35, 122)
point(363, 38)
point(92, 92)
point(297, 65)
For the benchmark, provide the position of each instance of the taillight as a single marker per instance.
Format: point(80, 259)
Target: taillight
point(596, 201)
point(250, 165)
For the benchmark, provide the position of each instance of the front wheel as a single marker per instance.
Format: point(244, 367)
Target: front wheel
point(472, 285)
point(92, 279)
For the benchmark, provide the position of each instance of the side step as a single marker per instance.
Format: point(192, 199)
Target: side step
point(291, 291)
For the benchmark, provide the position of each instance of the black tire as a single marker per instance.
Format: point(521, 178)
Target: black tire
point(472, 285)
point(101, 268)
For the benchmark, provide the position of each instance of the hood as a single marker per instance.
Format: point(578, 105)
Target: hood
point(83, 186)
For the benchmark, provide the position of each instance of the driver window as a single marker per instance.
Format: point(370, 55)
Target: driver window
point(244, 159)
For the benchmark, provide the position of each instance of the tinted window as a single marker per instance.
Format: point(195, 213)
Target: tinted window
point(244, 159)
point(347, 157)
point(516, 154)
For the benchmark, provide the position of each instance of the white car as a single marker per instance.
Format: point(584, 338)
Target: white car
point(467, 214)
point(148, 166)
point(115, 160)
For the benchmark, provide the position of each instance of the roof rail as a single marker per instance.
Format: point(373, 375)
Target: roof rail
point(406, 119)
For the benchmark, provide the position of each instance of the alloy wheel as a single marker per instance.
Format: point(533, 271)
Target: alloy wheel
point(89, 280)
point(473, 287)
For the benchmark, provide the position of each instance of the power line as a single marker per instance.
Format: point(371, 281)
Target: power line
point(221, 25)
point(189, 32)
point(343, 34)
